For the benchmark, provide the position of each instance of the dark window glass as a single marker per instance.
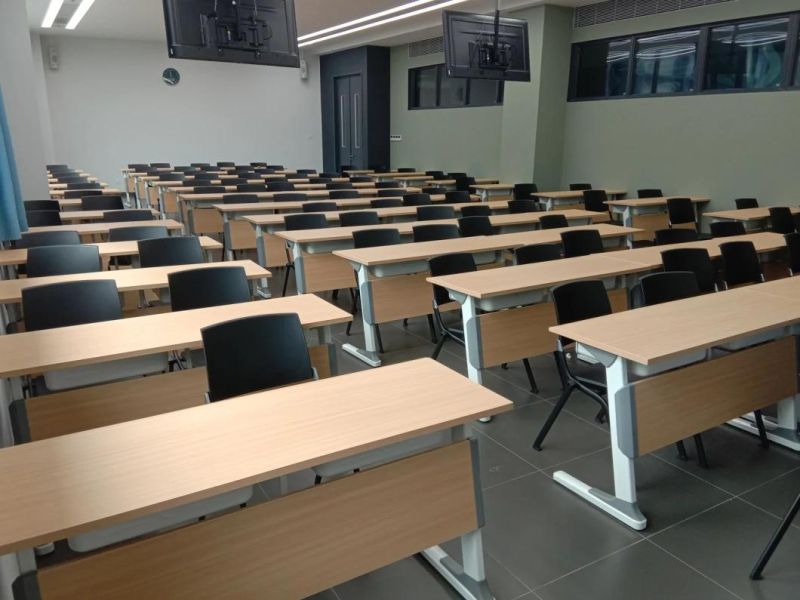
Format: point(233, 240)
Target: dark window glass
point(797, 66)
point(665, 64)
point(747, 56)
point(429, 87)
point(453, 90)
point(424, 86)
point(603, 69)
point(485, 92)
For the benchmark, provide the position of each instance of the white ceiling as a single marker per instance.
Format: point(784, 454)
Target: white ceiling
point(144, 20)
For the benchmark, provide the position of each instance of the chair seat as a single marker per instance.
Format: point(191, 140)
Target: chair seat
point(126, 368)
point(636, 369)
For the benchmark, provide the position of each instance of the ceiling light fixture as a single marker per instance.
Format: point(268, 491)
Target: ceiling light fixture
point(413, 13)
point(377, 15)
point(82, 9)
point(51, 13)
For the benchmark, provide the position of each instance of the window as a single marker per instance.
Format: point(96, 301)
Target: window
point(602, 69)
point(747, 56)
point(665, 64)
point(429, 87)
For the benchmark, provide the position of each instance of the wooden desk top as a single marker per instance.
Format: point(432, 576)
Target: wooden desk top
point(320, 194)
point(745, 214)
point(37, 351)
point(637, 202)
point(139, 467)
point(346, 204)
point(127, 280)
point(54, 185)
point(58, 194)
point(90, 215)
point(396, 175)
point(654, 333)
point(493, 186)
point(104, 228)
point(567, 194)
point(19, 256)
point(72, 203)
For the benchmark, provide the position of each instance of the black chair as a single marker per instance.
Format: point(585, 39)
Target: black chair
point(42, 205)
point(695, 260)
point(464, 183)
point(536, 253)
point(280, 186)
point(457, 197)
point(134, 234)
point(343, 194)
point(740, 264)
point(650, 193)
point(236, 181)
point(680, 211)
point(328, 175)
point(48, 238)
point(203, 176)
point(726, 229)
point(391, 193)
point(553, 222)
point(361, 179)
point(434, 191)
point(382, 185)
point(306, 171)
point(61, 167)
point(456, 175)
point(523, 191)
point(433, 213)
point(325, 180)
point(581, 242)
point(171, 177)
point(435, 174)
point(577, 301)
point(406, 170)
point(595, 200)
point(320, 206)
point(579, 187)
point(525, 205)
point(172, 250)
point(44, 261)
point(476, 210)
point(255, 353)
point(385, 202)
point(226, 164)
point(240, 199)
point(160, 165)
point(675, 236)
point(416, 200)
point(71, 178)
point(775, 540)
point(295, 223)
point(200, 164)
point(475, 226)
point(742, 203)
point(84, 186)
point(430, 233)
point(358, 218)
point(251, 187)
point(43, 218)
point(290, 197)
point(209, 189)
point(133, 214)
point(208, 286)
point(339, 186)
point(781, 220)
point(793, 250)
point(74, 194)
point(101, 202)
point(276, 167)
point(448, 264)
point(72, 303)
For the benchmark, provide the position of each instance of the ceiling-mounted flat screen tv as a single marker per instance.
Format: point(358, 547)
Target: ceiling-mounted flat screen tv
point(260, 32)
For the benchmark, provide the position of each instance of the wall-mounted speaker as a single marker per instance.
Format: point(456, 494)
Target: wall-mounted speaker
point(53, 60)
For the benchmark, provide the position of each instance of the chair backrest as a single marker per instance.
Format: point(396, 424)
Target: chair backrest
point(579, 187)
point(42, 205)
point(475, 226)
point(240, 199)
point(329, 174)
point(793, 249)
point(207, 286)
point(668, 286)
point(71, 303)
point(380, 185)
point(725, 228)
point(385, 202)
point(433, 212)
point(742, 203)
point(449, 264)
point(290, 197)
point(306, 171)
point(100, 202)
point(134, 234)
point(255, 353)
point(456, 175)
point(553, 221)
point(357, 218)
point(343, 194)
point(226, 164)
point(536, 253)
point(319, 206)
point(372, 238)
point(133, 214)
point(44, 261)
point(595, 200)
point(740, 263)
point(650, 193)
point(170, 250)
point(680, 211)
point(433, 190)
point(276, 167)
point(236, 181)
point(579, 300)
point(83, 186)
point(476, 210)
point(280, 186)
point(251, 187)
point(696, 260)
point(209, 189)
point(73, 194)
point(305, 221)
point(34, 239)
point(406, 170)
point(160, 165)
point(464, 183)
point(523, 205)
point(435, 174)
point(360, 179)
point(204, 176)
point(781, 219)
point(171, 177)
point(675, 236)
point(524, 190)
point(429, 233)
point(72, 178)
point(200, 164)
point(43, 218)
point(416, 199)
point(391, 193)
point(339, 186)
point(457, 196)
point(320, 179)
point(581, 242)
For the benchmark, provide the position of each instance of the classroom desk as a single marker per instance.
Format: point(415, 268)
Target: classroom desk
point(404, 507)
point(357, 172)
point(91, 215)
point(392, 280)
point(654, 412)
point(59, 194)
point(753, 218)
point(101, 228)
point(500, 191)
point(631, 207)
point(553, 200)
point(63, 186)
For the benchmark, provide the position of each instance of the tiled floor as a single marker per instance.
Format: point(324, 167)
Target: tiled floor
point(706, 527)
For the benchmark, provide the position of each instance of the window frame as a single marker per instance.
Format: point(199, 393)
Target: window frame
point(440, 74)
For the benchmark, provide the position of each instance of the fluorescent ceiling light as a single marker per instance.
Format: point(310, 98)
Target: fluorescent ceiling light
point(82, 9)
point(413, 13)
point(51, 13)
point(377, 15)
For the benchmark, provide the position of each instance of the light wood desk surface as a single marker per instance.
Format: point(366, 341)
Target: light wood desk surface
point(19, 256)
point(397, 175)
point(140, 467)
point(49, 349)
point(745, 214)
point(362, 204)
point(576, 194)
point(103, 228)
point(92, 215)
point(54, 185)
point(188, 195)
point(492, 186)
point(127, 280)
point(59, 194)
point(71, 204)
point(644, 202)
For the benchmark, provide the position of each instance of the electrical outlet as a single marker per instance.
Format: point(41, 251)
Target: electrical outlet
point(395, 137)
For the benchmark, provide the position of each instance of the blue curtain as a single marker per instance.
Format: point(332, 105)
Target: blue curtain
point(12, 211)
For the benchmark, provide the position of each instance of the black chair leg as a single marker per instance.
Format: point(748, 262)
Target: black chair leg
point(432, 329)
point(537, 444)
point(776, 540)
point(504, 366)
point(681, 447)
point(286, 279)
point(317, 479)
point(335, 295)
point(380, 341)
point(354, 311)
point(405, 322)
point(762, 431)
point(438, 349)
point(701, 450)
point(531, 378)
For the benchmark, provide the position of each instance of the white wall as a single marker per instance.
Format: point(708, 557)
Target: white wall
point(109, 107)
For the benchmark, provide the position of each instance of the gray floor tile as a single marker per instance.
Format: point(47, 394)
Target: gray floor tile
point(724, 543)
point(497, 464)
point(776, 496)
point(409, 579)
point(501, 581)
point(639, 572)
point(326, 595)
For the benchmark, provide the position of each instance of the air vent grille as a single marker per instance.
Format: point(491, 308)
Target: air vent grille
point(425, 47)
point(618, 10)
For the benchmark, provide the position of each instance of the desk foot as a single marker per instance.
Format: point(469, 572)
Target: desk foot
point(365, 356)
point(264, 294)
point(782, 436)
point(626, 512)
point(454, 574)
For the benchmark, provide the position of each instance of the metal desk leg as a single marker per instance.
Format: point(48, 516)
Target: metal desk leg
point(326, 339)
point(472, 339)
point(261, 246)
point(299, 269)
point(190, 217)
point(370, 354)
point(484, 194)
point(783, 430)
point(226, 236)
point(161, 209)
point(622, 504)
point(627, 217)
